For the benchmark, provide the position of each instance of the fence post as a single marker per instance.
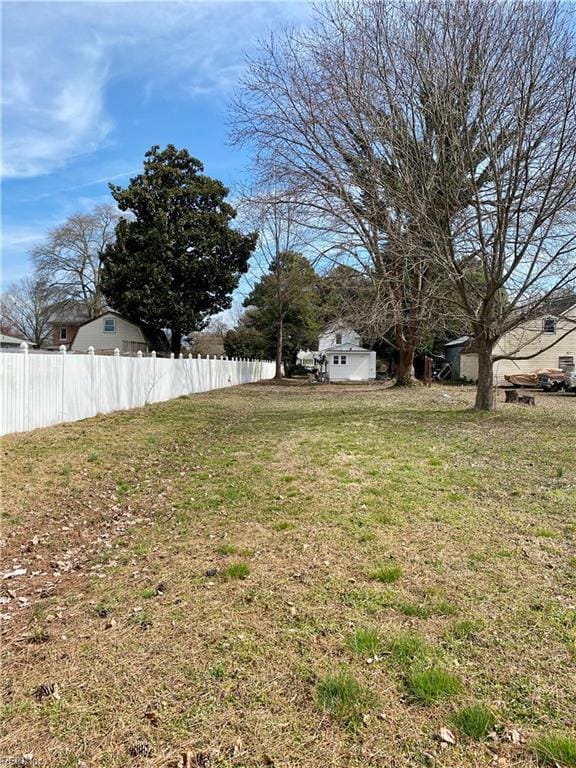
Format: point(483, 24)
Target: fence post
point(92, 397)
point(62, 350)
point(26, 399)
point(152, 395)
point(140, 389)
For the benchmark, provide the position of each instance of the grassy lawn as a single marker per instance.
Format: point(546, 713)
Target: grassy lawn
point(293, 576)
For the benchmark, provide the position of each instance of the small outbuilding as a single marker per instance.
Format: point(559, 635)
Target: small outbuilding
point(306, 358)
point(452, 353)
point(350, 362)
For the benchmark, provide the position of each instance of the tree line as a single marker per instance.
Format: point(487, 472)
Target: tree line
point(427, 149)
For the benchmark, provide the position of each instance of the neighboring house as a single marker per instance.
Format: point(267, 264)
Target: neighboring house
point(345, 359)
point(10, 342)
point(534, 341)
point(110, 331)
point(65, 327)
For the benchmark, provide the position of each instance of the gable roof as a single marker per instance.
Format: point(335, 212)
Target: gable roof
point(68, 316)
point(115, 314)
point(338, 325)
point(6, 339)
point(559, 306)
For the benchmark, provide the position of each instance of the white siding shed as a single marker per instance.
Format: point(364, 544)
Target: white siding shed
point(350, 363)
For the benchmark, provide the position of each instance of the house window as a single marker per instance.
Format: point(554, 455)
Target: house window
point(335, 359)
point(63, 333)
point(566, 362)
point(109, 325)
point(338, 338)
point(549, 325)
point(342, 359)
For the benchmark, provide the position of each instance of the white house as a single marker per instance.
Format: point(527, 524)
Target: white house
point(346, 360)
point(107, 332)
point(535, 341)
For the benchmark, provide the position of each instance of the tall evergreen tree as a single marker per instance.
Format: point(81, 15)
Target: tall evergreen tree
point(176, 259)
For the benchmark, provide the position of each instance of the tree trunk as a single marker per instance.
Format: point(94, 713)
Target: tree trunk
point(485, 400)
point(405, 367)
point(279, 344)
point(175, 341)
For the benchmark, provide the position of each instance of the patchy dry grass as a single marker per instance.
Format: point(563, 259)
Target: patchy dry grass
point(199, 577)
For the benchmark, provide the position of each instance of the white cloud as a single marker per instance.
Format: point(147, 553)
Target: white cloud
point(53, 108)
point(21, 236)
point(58, 59)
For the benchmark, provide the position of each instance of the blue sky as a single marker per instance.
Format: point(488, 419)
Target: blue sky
point(88, 87)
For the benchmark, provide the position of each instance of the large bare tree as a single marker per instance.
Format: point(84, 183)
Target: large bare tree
point(70, 257)
point(425, 134)
point(312, 109)
point(482, 137)
point(496, 189)
point(28, 307)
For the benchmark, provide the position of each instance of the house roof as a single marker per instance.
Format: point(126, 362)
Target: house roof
point(110, 312)
point(560, 306)
point(338, 325)
point(5, 339)
point(66, 313)
point(346, 348)
point(458, 342)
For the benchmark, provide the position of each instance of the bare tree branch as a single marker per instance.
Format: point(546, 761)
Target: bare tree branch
point(69, 259)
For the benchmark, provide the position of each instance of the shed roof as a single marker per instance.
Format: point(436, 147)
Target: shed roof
point(346, 348)
point(458, 342)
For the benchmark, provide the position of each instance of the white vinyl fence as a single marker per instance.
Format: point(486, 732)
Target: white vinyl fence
point(38, 390)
